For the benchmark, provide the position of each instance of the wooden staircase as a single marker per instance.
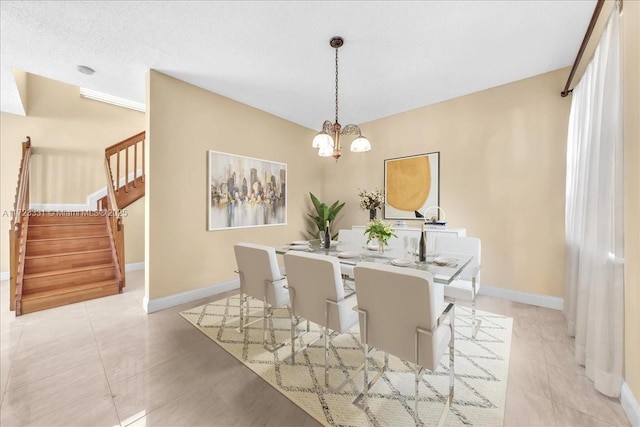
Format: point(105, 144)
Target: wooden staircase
point(59, 258)
point(68, 259)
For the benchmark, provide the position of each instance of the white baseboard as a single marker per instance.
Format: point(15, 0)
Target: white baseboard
point(134, 266)
point(157, 304)
point(4, 275)
point(545, 301)
point(630, 405)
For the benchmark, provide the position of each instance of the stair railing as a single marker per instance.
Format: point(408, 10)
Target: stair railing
point(18, 231)
point(124, 168)
point(124, 179)
point(115, 227)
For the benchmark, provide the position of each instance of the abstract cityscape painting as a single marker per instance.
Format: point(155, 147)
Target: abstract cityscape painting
point(245, 192)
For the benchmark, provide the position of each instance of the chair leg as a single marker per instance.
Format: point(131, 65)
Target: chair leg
point(475, 323)
point(347, 380)
point(243, 298)
point(244, 301)
point(265, 314)
point(326, 356)
point(418, 376)
point(367, 384)
point(365, 390)
point(268, 316)
point(294, 331)
point(452, 375)
point(291, 359)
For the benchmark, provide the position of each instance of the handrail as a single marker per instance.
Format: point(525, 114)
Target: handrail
point(115, 227)
point(116, 150)
point(594, 18)
point(119, 194)
point(17, 233)
point(128, 142)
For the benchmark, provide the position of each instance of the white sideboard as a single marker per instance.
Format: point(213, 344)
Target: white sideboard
point(404, 231)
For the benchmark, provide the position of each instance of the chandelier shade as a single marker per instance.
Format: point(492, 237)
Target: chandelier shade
point(322, 139)
point(360, 145)
point(326, 151)
point(327, 141)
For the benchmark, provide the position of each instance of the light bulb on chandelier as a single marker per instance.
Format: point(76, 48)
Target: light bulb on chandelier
point(327, 141)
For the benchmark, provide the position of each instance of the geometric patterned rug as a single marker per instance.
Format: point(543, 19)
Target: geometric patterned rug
point(481, 368)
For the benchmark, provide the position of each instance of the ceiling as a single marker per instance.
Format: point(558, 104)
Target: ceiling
point(275, 55)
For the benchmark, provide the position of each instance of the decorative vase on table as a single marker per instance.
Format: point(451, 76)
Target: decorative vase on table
point(381, 245)
point(379, 231)
point(372, 214)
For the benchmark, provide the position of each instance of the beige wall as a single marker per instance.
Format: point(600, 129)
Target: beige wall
point(184, 122)
point(69, 135)
point(502, 174)
point(631, 37)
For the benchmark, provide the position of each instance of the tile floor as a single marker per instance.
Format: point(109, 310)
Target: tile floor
point(107, 363)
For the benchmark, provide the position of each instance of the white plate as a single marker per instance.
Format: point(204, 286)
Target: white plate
point(442, 260)
point(299, 247)
point(348, 254)
point(300, 242)
point(373, 247)
point(402, 262)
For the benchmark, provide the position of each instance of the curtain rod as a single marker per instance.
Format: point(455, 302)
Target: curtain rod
point(583, 46)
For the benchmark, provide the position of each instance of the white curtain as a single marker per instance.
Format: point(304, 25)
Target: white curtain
point(594, 295)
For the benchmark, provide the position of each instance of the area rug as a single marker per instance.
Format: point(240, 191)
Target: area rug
point(481, 368)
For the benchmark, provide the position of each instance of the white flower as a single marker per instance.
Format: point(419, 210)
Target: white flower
point(371, 199)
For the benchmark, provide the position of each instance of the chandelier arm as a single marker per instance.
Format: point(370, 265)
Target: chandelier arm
point(327, 127)
point(351, 130)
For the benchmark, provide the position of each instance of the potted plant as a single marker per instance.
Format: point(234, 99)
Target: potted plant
point(322, 214)
point(371, 200)
point(381, 231)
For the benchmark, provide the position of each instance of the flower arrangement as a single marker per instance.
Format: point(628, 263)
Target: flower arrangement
point(371, 199)
point(381, 231)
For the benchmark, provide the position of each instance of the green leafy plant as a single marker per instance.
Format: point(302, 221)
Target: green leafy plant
point(381, 231)
point(322, 214)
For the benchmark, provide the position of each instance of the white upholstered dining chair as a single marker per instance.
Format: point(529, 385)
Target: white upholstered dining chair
point(403, 313)
point(467, 285)
point(355, 238)
point(350, 240)
point(317, 295)
point(261, 278)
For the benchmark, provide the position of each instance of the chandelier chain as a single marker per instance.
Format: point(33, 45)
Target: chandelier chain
point(336, 85)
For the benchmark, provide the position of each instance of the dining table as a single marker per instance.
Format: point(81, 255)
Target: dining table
point(445, 267)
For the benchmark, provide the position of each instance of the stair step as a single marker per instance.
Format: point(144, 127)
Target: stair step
point(44, 218)
point(68, 295)
point(66, 261)
point(67, 244)
point(38, 282)
point(51, 231)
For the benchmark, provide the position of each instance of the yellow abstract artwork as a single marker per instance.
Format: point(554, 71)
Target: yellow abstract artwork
point(411, 185)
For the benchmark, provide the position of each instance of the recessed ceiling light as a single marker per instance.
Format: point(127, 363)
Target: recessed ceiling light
point(85, 70)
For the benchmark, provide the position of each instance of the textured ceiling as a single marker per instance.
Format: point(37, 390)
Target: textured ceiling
point(275, 55)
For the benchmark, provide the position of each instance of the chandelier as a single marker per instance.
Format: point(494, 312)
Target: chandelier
point(327, 141)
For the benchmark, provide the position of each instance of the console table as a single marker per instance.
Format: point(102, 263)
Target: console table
point(412, 231)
